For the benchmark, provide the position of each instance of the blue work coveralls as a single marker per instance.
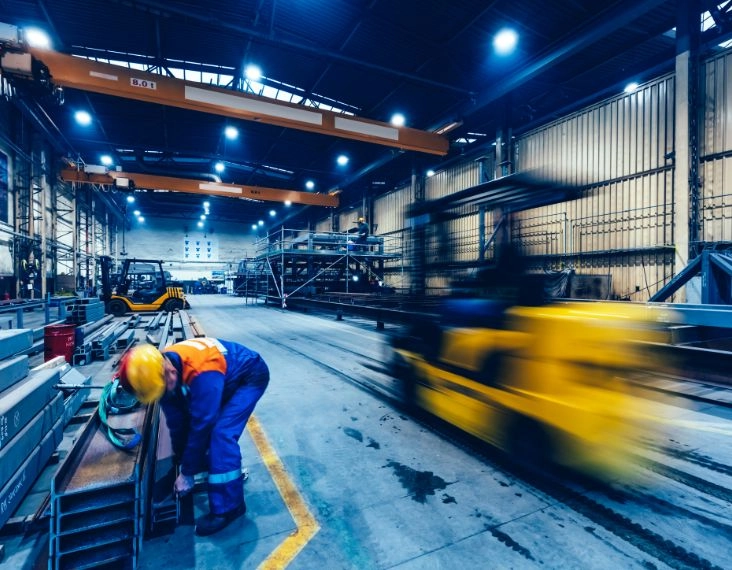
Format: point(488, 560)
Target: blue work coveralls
point(220, 382)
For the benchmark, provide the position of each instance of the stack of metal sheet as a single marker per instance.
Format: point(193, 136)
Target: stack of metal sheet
point(31, 419)
point(99, 497)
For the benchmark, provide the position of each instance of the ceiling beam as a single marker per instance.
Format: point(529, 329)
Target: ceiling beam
point(300, 47)
point(619, 15)
point(87, 75)
point(206, 187)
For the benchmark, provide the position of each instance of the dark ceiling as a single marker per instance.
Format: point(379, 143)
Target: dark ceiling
point(431, 60)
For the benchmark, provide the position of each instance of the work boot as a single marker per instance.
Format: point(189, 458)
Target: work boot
point(210, 523)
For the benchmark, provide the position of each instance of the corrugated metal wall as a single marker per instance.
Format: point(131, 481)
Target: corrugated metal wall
point(716, 151)
point(621, 151)
point(389, 216)
point(324, 225)
point(621, 137)
point(623, 225)
point(455, 242)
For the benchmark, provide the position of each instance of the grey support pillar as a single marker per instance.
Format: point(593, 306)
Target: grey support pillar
point(686, 181)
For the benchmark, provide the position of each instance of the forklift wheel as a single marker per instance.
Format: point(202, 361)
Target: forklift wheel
point(117, 308)
point(173, 305)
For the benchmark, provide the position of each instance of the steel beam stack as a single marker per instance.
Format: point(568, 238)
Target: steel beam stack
point(85, 311)
point(99, 497)
point(31, 419)
point(98, 345)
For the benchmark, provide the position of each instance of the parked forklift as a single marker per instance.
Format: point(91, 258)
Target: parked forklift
point(140, 285)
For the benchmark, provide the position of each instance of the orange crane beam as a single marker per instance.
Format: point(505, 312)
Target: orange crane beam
point(152, 182)
point(87, 75)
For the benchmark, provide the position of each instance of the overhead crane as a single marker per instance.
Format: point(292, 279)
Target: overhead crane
point(134, 180)
point(63, 70)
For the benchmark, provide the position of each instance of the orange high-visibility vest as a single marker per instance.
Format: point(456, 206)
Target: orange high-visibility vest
point(199, 355)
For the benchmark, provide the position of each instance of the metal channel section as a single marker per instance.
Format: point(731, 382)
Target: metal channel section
point(97, 499)
point(164, 505)
point(103, 499)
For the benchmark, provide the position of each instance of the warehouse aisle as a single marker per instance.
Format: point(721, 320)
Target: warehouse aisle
point(340, 478)
point(379, 489)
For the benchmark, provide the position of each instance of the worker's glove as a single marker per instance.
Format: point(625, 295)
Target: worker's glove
point(183, 484)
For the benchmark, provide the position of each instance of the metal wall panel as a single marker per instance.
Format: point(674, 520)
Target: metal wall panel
point(624, 136)
point(623, 224)
point(715, 207)
point(389, 217)
point(390, 210)
point(449, 181)
point(716, 200)
point(717, 97)
point(348, 219)
point(324, 225)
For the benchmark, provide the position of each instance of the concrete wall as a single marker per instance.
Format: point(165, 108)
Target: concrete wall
point(163, 238)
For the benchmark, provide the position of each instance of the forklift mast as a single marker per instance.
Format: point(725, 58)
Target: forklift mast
point(105, 263)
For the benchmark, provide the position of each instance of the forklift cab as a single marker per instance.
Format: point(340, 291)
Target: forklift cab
point(144, 282)
point(140, 285)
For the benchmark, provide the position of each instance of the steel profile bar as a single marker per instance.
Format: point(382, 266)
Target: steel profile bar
point(20, 403)
point(13, 370)
point(13, 341)
point(108, 79)
point(17, 487)
point(98, 497)
point(32, 433)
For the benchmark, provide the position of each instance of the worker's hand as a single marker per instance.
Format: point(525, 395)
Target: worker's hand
point(183, 484)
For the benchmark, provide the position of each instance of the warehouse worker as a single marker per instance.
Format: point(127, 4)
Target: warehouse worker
point(207, 388)
point(362, 233)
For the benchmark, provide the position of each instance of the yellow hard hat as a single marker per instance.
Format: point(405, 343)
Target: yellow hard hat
point(143, 372)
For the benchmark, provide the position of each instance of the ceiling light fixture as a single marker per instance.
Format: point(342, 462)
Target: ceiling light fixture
point(253, 73)
point(83, 118)
point(398, 120)
point(219, 167)
point(232, 133)
point(447, 127)
point(342, 160)
point(505, 41)
point(309, 184)
point(37, 38)
point(631, 87)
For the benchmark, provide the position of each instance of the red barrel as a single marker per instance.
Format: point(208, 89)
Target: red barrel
point(59, 340)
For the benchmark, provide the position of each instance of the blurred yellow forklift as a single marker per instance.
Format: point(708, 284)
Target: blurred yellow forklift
point(140, 285)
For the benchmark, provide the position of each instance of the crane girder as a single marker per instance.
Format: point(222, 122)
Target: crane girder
point(108, 79)
point(152, 182)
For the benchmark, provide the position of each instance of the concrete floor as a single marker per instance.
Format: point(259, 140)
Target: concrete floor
point(340, 479)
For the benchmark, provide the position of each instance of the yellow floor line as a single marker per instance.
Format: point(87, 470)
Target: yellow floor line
point(307, 526)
